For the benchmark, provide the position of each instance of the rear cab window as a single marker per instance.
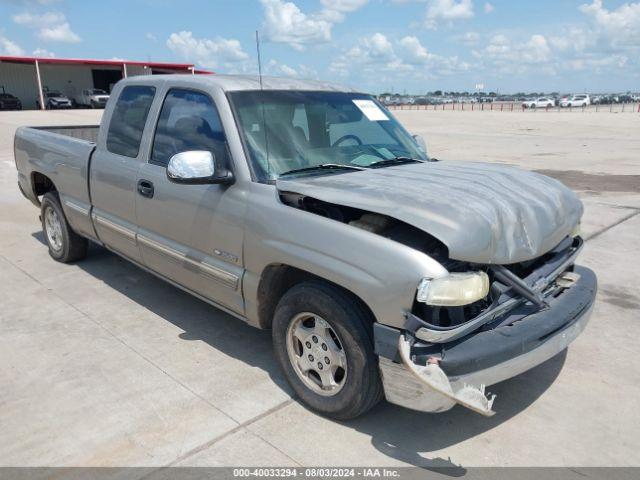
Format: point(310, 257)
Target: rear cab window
point(128, 120)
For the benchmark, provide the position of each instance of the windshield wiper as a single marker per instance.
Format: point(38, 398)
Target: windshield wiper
point(394, 161)
point(322, 166)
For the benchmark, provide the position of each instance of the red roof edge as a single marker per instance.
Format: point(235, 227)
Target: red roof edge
point(114, 63)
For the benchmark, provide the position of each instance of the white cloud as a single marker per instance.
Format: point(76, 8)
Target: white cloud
point(378, 56)
point(488, 8)
point(620, 28)
point(280, 69)
point(447, 11)
point(334, 10)
point(508, 57)
point(50, 26)
point(150, 36)
point(8, 47)
point(38, 21)
point(415, 51)
point(469, 38)
point(59, 33)
point(42, 52)
point(284, 22)
point(210, 53)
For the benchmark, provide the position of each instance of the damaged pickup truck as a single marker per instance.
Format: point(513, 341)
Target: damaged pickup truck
point(308, 209)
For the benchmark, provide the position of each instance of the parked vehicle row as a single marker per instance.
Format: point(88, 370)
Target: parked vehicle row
point(89, 97)
point(54, 100)
point(542, 102)
point(9, 102)
point(582, 100)
point(527, 101)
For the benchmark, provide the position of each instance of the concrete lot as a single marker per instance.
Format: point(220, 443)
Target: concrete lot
point(102, 364)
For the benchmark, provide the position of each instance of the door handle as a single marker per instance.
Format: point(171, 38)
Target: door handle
point(145, 188)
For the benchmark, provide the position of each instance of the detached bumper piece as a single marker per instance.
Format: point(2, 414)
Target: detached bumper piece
point(438, 384)
point(433, 377)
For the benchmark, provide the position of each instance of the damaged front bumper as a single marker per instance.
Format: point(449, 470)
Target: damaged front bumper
point(433, 377)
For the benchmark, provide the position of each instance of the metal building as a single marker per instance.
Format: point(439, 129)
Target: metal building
point(28, 77)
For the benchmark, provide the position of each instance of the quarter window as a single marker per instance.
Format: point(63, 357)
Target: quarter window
point(188, 121)
point(128, 120)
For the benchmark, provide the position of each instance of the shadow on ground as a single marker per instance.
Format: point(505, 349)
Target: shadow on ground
point(396, 432)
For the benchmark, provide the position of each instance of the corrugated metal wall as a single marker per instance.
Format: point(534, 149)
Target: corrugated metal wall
point(68, 79)
point(20, 80)
point(134, 70)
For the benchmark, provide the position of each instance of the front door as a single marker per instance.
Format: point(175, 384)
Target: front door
point(191, 234)
point(114, 168)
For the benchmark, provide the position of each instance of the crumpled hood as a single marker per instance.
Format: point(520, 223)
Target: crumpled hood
point(483, 213)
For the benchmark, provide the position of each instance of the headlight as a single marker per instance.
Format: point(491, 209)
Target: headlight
point(454, 290)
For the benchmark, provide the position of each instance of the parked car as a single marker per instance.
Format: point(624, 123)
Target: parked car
point(93, 98)
point(455, 281)
point(9, 102)
point(581, 100)
point(541, 102)
point(54, 100)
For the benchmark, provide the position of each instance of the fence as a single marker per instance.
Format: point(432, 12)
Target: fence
point(517, 106)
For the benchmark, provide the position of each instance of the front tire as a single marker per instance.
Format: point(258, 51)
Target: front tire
point(64, 244)
point(323, 342)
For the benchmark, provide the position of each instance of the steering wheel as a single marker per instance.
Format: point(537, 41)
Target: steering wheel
point(345, 138)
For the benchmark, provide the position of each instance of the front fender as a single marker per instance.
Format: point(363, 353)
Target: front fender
point(381, 272)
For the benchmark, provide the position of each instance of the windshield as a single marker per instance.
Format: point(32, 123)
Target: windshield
point(308, 129)
point(97, 91)
point(54, 94)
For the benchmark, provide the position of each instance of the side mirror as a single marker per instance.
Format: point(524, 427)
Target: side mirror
point(422, 145)
point(197, 167)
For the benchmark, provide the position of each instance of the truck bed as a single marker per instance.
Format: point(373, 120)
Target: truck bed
point(60, 155)
point(81, 132)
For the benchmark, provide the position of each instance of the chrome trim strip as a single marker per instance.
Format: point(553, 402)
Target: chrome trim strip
point(222, 275)
point(76, 207)
point(227, 278)
point(441, 336)
point(124, 231)
point(161, 248)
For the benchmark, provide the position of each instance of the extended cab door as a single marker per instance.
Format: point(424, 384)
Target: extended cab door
point(114, 169)
point(191, 234)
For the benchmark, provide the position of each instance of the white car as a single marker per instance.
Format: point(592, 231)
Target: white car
point(92, 97)
point(542, 102)
point(581, 100)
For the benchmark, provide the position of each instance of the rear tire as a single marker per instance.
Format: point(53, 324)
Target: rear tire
point(64, 244)
point(345, 326)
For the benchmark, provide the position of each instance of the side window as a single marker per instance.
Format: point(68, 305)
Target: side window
point(128, 120)
point(188, 121)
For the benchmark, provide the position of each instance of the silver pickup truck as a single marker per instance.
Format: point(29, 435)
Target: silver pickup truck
point(308, 209)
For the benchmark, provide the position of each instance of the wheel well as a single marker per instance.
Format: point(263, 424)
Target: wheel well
point(277, 279)
point(41, 184)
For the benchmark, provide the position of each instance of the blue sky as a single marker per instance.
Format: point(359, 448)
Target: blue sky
point(376, 45)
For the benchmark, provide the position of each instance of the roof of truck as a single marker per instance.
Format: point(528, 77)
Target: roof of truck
point(230, 83)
